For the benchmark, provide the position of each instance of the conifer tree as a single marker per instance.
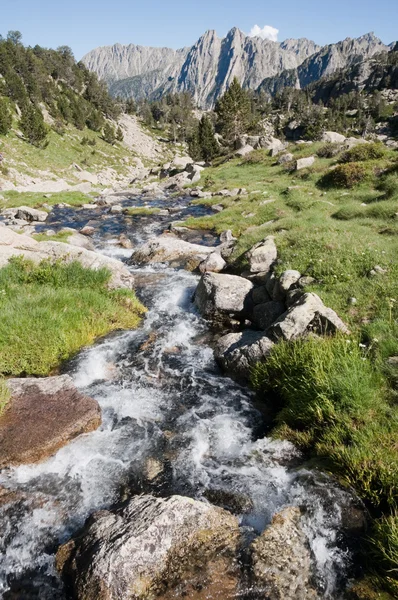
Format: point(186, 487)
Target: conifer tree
point(233, 111)
point(207, 142)
point(108, 134)
point(5, 117)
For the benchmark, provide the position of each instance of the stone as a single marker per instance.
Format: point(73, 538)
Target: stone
point(244, 151)
point(170, 249)
point(87, 230)
point(304, 163)
point(13, 244)
point(260, 295)
point(180, 163)
point(307, 315)
point(331, 137)
point(149, 548)
point(77, 239)
point(281, 559)
point(262, 256)
point(237, 353)
point(235, 502)
point(213, 263)
point(286, 282)
point(124, 241)
point(87, 176)
point(219, 297)
point(226, 236)
point(275, 147)
point(264, 315)
point(42, 416)
point(30, 214)
point(217, 207)
point(292, 296)
point(306, 281)
point(285, 158)
point(116, 209)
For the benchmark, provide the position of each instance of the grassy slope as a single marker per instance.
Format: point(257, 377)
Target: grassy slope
point(334, 398)
point(48, 312)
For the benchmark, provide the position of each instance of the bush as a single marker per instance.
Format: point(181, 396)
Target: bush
point(329, 150)
point(109, 134)
point(389, 185)
point(363, 152)
point(345, 176)
point(32, 125)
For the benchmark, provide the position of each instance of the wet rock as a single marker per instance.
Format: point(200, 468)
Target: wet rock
point(13, 244)
point(219, 297)
point(116, 209)
point(304, 163)
point(213, 263)
point(237, 353)
point(152, 547)
point(153, 468)
point(124, 241)
point(87, 230)
point(262, 256)
point(43, 415)
point(264, 315)
point(170, 249)
point(308, 314)
point(282, 561)
point(234, 502)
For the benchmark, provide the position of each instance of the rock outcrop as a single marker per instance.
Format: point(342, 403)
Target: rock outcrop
point(14, 244)
point(170, 249)
point(220, 297)
point(151, 547)
point(41, 416)
point(282, 560)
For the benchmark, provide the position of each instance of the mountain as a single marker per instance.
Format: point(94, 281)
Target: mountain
point(325, 62)
point(205, 70)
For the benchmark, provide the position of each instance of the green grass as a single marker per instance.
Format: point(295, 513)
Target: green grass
point(61, 236)
point(48, 312)
point(141, 210)
point(336, 398)
point(36, 200)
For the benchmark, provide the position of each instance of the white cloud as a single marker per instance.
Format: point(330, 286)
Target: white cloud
point(266, 33)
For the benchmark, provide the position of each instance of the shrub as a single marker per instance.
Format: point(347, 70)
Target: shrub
point(345, 176)
point(363, 152)
point(109, 134)
point(5, 117)
point(389, 185)
point(32, 125)
point(329, 150)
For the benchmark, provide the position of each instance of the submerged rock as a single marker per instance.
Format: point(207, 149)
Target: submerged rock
point(220, 297)
point(149, 548)
point(43, 415)
point(282, 560)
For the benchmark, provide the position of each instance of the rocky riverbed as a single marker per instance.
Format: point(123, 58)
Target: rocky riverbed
point(184, 493)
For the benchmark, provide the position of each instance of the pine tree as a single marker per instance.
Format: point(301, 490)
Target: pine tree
point(119, 134)
point(5, 117)
point(32, 125)
point(233, 111)
point(108, 134)
point(207, 142)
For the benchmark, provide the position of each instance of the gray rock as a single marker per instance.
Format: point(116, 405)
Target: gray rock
point(282, 561)
point(150, 546)
point(124, 241)
point(304, 163)
point(217, 207)
point(306, 281)
point(260, 295)
point(264, 315)
point(286, 282)
point(170, 249)
point(262, 256)
point(244, 151)
point(88, 230)
point(226, 236)
point(308, 314)
point(237, 353)
point(292, 296)
point(219, 297)
point(116, 209)
point(213, 263)
point(285, 158)
point(331, 137)
point(181, 162)
point(29, 214)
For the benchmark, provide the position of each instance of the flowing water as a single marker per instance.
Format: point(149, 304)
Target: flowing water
point(172, 423)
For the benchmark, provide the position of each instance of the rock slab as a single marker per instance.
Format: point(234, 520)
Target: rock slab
point(43, 415)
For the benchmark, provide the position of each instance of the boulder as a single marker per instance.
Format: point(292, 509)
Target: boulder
point(77, 239)
point(116, 209)
point(87, 230)
point(124, 241)
point(220, 297)
point(331, 137)
point(237, 353)
point(260, 295)
point(41, 416)
point(149, 548)
point(87, 176)
point(281, 559)
point(275, 146)
point(304, 163)
point(14, 244)
point(308, 314)
point(170, 249)
point(287, 281)
point(264, 315)
point(244, 151)
point(262, 256)
point(285, 158)
point(213, 263)
point(226, 237)
point(180, 163)
point(30, 214)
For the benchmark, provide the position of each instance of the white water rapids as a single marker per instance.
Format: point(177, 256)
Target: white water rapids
point(164, 399)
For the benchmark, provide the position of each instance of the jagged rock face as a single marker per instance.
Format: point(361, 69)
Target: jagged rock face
point(325, 62)
point(205, 70)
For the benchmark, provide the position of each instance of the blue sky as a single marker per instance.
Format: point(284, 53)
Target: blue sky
point(86, 24)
